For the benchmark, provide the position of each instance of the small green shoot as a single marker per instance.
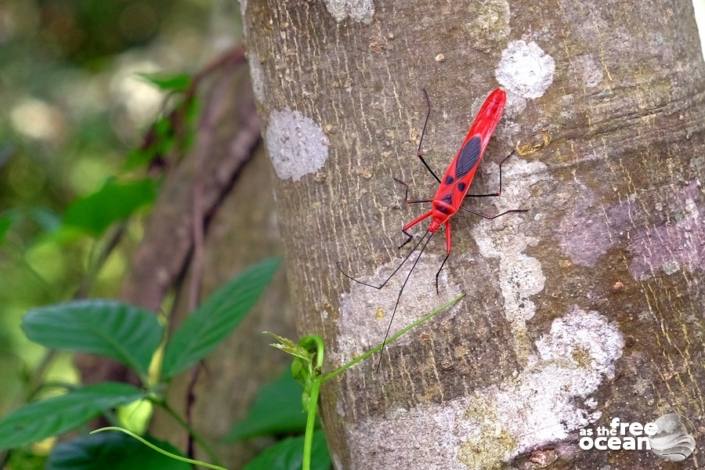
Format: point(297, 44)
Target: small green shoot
point(308, 363)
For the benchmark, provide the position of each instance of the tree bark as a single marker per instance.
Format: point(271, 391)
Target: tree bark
point(588, 307)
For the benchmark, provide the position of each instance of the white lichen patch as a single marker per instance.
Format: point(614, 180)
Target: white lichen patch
point(525, 69)
point(428, 436)
point(515, 105)
point(699, 9)
point(296, 145)
point(257, 77)
point(538, 406)
point(586, 340)
point(366, 312)
point(520, 276)
point(243, 17)
point(487, 23)
point(589, 70)
point(358, 10)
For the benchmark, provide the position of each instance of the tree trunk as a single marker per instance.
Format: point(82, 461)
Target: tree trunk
point(587, 307)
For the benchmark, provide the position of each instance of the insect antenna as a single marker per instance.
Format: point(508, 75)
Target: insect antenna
point(396, 270)
point(490, 217)
point(401, 290)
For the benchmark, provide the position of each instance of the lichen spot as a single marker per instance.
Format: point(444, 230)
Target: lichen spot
point(525, 69)
point(468, 157)
point(257, 77)
point(358, 10)
point(487, 24)
point(296, 145)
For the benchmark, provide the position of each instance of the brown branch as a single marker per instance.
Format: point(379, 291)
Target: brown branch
point(168, 244)
point(190, 403)
point(197, 260)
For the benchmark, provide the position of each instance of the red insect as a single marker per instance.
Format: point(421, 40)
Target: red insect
point(452, 189)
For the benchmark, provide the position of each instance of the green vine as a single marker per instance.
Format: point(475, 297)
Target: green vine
point(158, 449)
point(306, 367)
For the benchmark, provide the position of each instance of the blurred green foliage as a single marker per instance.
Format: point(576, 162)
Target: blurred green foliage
point(276, 410)
point(114, 451)
point(286, 455)
point(85, 86)
point(113, 202)
point(131, 335)
point(74, 108)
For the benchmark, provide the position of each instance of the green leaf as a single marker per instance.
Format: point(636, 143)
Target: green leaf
point(176, 82)
point(5, 224)
point(109, 328)
point(288, 455)
point(46, 418)
point(215, 319)
point(276, 410)
point(138, 158)
point(113, 202)
point(47, 219)
point(115, 451)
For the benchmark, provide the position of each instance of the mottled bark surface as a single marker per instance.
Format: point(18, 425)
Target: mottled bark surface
point(588, 307)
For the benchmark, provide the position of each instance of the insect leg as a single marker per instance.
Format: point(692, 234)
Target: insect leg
point(388, 278)
point(418, 219)
point(448, 247)
point(496, 215)
point(409, 237)
point(419, 152)
point(406, 194)
point(499, 192)
point(401, 290)
point(406, 227)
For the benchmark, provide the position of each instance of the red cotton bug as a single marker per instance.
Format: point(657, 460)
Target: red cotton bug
point(452, 188)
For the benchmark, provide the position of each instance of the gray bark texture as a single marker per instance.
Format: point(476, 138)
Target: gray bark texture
point(586, 308)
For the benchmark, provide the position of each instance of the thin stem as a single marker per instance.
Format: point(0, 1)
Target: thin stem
point(192, 432)
point(311, 423)
point(158, 449)
point(364, 356)
point(21, 258)
point(97, 258)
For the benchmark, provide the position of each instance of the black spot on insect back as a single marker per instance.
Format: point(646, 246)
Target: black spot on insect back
point(449, 180)
point(468, 157)
point(448, 199)
point(461, 186)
